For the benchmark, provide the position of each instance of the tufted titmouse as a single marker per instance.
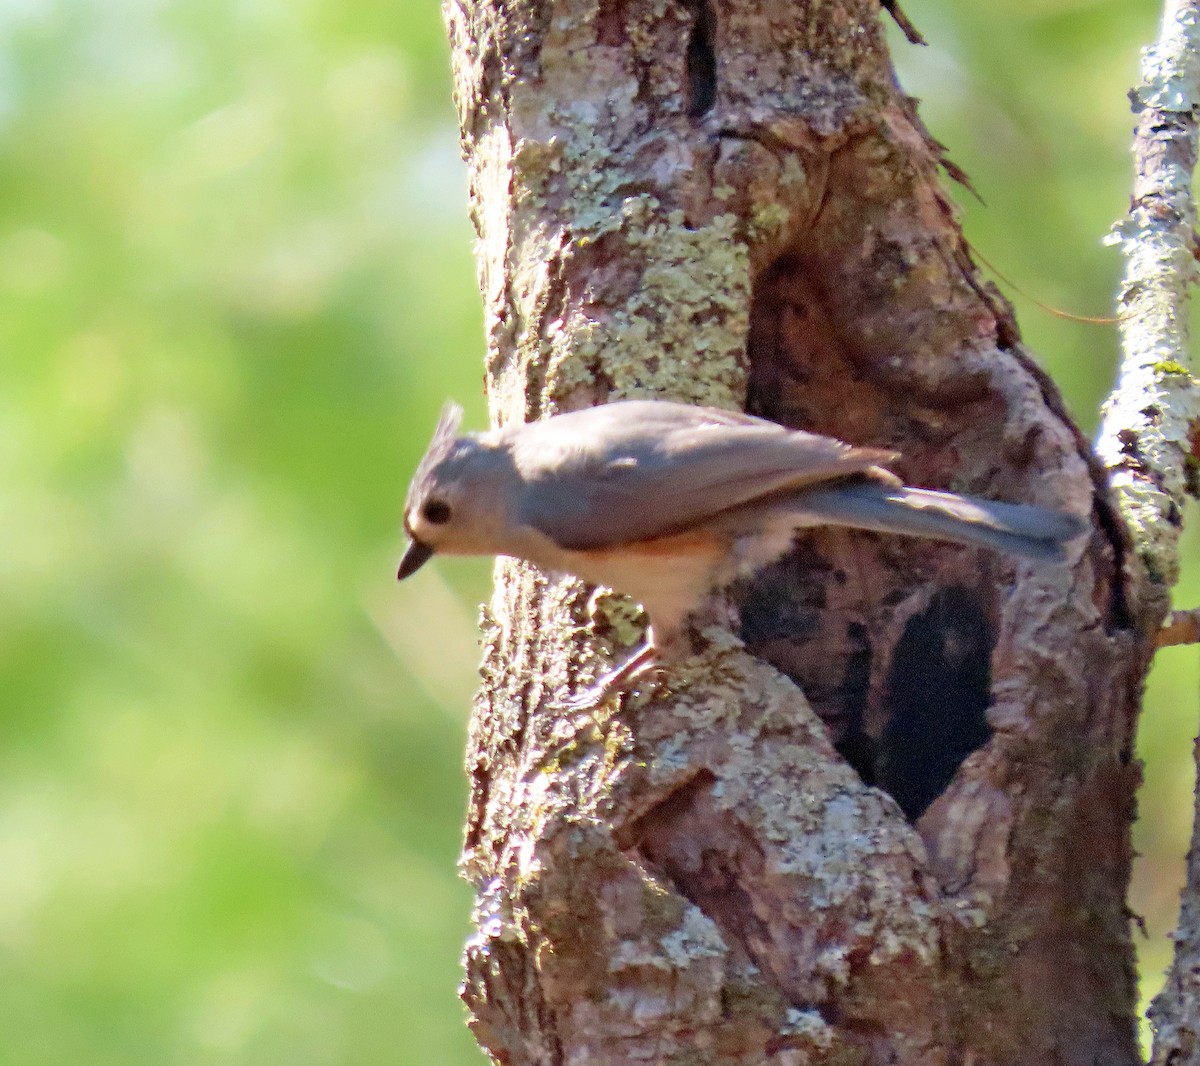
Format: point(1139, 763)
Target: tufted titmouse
point(667, 503)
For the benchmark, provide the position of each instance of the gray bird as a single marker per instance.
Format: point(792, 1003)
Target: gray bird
point(667, 503)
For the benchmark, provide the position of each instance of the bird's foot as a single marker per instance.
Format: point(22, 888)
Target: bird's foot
point(639, 672)
point(640, 665)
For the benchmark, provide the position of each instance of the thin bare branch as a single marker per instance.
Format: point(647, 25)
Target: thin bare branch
point(1145, 440)
point(1183, 627)
point(1151, 418)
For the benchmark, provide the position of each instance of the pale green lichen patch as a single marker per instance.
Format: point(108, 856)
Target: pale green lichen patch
point(822, 828)
point(681, 332)
point(770, 221)
point(534, 164)
point(671, 759)
point(1145, 438)
point(697, 937)
point(686, 934)
point(807, 1024)
point(665, 315)
point(1171, 367)
point(617, 616)
point(1170, 74)
point(793, 175)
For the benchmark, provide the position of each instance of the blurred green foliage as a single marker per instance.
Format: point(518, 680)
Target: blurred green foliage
point(235, 286)
point(237, 283)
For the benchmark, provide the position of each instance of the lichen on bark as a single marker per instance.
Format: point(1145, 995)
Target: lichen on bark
point(1149, 429)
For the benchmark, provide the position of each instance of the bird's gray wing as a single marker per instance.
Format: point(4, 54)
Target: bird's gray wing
point(636, 470)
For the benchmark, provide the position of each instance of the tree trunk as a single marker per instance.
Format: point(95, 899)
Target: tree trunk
point(890, 824)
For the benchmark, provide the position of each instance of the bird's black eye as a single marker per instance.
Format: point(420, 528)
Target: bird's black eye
point(436, 512)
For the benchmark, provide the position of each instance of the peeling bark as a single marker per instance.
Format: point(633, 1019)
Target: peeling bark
point(731, 202)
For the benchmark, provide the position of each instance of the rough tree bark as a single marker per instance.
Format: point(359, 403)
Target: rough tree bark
point(892, 826)
point(1150, 439)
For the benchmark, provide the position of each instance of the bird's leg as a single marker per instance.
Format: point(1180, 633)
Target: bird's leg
point(617, 680)
point(669, 639)
point(582, 706)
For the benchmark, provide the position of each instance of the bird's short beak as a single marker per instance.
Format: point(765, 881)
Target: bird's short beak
point(416, 555)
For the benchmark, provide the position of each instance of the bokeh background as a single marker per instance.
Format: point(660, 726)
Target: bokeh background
point(236, 283)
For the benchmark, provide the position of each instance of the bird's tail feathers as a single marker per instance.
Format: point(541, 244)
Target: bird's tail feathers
point(1017, 528)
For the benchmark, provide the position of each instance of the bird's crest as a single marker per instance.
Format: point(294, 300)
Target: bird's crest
point(443, 441)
